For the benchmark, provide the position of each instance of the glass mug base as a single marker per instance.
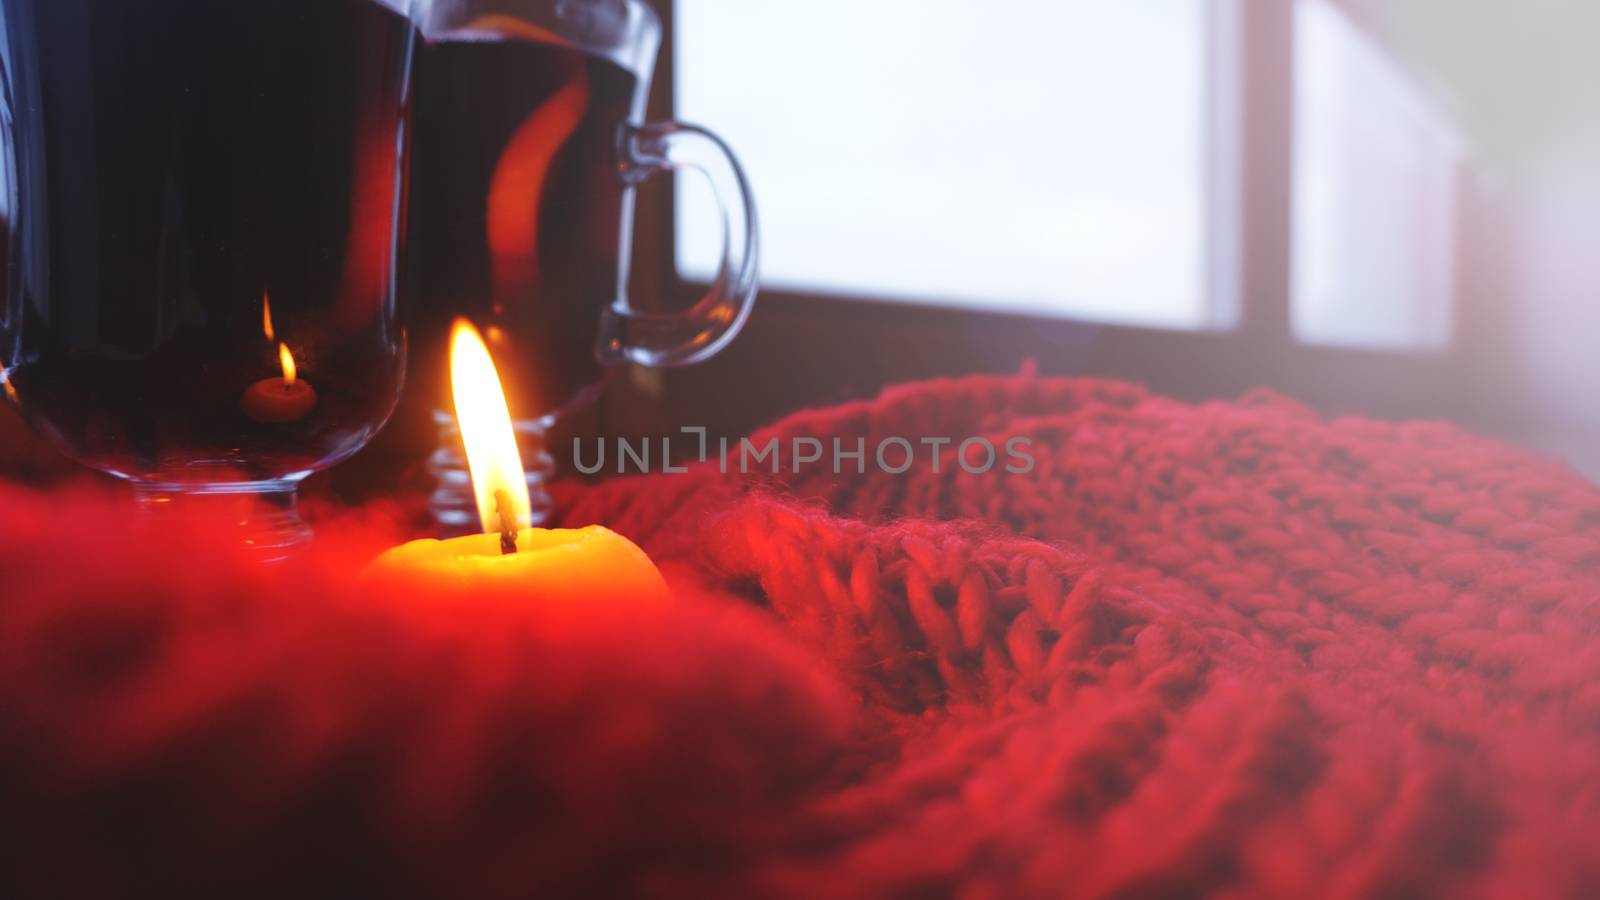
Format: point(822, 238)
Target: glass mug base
point(453, 504)
point(262, 516)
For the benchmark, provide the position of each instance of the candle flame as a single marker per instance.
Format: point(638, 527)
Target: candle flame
point(491, 444)
point(287, 358)
point(266, 317)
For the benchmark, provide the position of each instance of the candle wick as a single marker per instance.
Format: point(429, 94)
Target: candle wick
point(508, 522)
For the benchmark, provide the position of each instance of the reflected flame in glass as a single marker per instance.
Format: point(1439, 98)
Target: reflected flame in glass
point(516, 191)
point(5, 382)
point(287, 358)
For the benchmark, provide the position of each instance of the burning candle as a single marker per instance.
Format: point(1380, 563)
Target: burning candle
point(277, 401)
point(509, 558)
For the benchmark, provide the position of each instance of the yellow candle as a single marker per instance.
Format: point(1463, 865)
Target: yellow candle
point(511, 559)
point(549, 566)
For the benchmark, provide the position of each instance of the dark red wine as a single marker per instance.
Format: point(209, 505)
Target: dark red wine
point(178, 161)
point(517, 211)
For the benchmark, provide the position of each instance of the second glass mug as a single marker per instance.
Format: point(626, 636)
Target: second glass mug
point(529, 139)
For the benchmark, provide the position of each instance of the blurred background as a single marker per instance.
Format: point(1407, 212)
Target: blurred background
point(1384, 207)
point(1376, 206)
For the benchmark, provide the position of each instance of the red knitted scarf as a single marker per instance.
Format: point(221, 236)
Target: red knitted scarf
point(1226, 649)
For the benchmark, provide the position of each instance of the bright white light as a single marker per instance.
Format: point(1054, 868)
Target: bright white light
point(1041, 156)
point(1375, 187)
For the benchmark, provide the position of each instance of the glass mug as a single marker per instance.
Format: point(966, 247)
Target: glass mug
point(201, 204)
point(529, 141)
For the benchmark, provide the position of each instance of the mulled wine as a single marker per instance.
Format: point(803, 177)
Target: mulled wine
point(529, 143)
point(201, 191)
point(517, 208)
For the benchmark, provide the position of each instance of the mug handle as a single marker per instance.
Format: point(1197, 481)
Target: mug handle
point(697, 334)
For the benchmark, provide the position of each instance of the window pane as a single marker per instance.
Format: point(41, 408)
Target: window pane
point(1025, 155)
point(1375, 186)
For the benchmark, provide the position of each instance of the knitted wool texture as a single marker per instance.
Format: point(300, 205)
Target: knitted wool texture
point(1230, 649)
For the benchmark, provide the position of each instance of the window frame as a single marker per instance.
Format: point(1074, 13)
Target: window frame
point(870, 343)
